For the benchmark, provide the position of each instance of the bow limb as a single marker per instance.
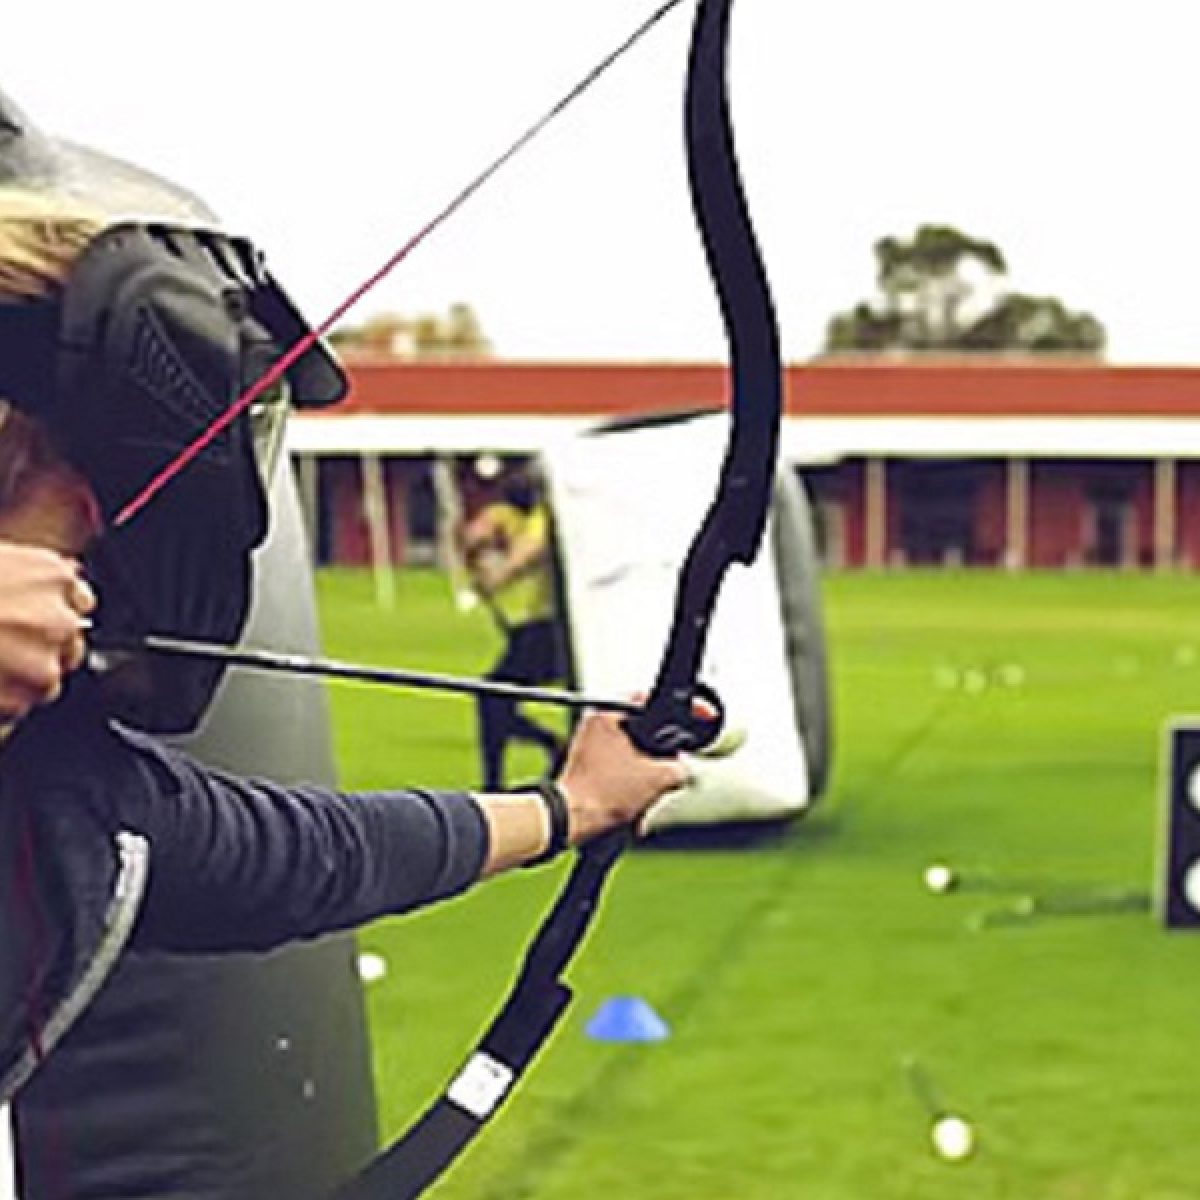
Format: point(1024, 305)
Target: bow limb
point(733, 528)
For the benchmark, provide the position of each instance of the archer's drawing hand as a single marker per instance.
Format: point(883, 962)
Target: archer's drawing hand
point(609, 782)
point(44, 601)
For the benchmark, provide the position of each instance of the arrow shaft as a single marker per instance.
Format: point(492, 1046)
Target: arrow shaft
point(324, 668)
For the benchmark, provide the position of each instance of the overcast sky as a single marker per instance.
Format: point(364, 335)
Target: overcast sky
point(1067, 131)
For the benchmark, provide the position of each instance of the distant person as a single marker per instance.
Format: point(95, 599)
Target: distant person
point(508, 553)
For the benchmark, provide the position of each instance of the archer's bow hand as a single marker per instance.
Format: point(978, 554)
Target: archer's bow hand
point(608, 782)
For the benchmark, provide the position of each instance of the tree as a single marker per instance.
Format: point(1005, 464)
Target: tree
point(942, 291)
point(458, 334)
point(1036, 325)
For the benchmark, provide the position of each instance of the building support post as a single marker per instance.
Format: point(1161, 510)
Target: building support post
point(379, 531)
point(308, 486)
point(876, 513)
point(1016, 528)
point(1165, 513)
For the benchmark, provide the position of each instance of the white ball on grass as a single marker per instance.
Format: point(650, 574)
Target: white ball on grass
point(940, 878)
point(953, 1138)
point(371, 967)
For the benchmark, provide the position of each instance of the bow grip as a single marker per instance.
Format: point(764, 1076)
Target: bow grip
point(680, 719)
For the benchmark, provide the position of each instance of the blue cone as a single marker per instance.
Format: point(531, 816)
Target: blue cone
point(627, 1019)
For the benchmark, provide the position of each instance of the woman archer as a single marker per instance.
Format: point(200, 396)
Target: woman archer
point(117, 345)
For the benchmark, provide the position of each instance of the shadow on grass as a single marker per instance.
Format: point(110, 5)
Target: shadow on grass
point(739, 836)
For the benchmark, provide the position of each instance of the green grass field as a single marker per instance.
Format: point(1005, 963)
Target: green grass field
point(1011, 726)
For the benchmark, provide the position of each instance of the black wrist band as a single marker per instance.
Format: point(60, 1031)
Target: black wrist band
point(555, 801)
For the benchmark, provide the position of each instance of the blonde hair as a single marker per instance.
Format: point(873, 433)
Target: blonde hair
point(41, 236)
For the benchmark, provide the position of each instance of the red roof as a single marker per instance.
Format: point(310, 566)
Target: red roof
point(499, 387)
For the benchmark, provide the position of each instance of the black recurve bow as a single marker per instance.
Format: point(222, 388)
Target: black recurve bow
point(671, 720)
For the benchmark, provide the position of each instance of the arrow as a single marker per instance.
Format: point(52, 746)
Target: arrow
point(105, 644)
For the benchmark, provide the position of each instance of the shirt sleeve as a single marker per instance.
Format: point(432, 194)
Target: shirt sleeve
point(247, 864)
point(537, 525)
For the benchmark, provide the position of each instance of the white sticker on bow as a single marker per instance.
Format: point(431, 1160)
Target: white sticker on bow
point(481, 1085)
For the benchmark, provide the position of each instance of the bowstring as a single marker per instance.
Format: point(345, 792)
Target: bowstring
point(196, 447)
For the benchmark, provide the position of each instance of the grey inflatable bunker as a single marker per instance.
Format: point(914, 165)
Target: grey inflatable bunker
point(794, 546)
point(240, 1078)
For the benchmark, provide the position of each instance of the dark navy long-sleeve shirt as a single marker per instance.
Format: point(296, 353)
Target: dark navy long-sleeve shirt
point(244, 864)
point(239, 863)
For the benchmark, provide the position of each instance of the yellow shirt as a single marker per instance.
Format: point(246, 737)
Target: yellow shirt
point(530, 595)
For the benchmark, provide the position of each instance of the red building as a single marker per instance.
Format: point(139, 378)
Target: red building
point(1015, 465)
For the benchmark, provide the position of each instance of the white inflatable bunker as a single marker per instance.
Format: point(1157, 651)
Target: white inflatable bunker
point(627, 502)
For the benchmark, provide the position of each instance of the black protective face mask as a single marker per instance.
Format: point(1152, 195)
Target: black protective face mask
point(158, 332)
